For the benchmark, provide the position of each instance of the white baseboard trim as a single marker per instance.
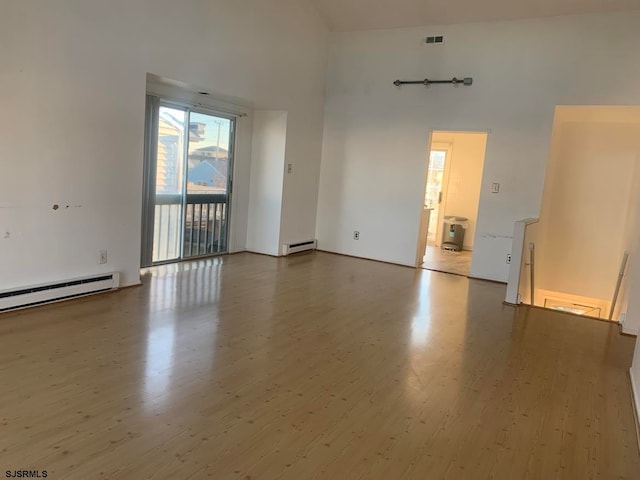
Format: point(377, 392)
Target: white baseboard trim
point(630, 331)
point(635, 397)
point(373, 259)
point(262, 252)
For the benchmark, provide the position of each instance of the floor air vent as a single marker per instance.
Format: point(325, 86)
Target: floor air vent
point(299, 247)
point(54, 292)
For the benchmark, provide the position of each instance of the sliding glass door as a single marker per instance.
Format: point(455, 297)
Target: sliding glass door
point(169, 184)
point(188, 167)
point(207, 198)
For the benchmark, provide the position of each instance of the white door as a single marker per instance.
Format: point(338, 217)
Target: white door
point(435, 193)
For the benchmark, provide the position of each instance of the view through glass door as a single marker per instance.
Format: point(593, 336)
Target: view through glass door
point(207, 199)
point(169, 184)
point(188, 173)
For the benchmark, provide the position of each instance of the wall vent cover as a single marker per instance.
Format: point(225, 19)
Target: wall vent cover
point(435, 39)
point(290, 248)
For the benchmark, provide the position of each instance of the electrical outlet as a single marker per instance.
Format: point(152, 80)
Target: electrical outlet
point(495, 188)
point(509, 258)
point(103, 257)
point(356, 235)
point(289, 167)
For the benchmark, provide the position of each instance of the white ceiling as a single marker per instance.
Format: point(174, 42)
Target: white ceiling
point(351, 15)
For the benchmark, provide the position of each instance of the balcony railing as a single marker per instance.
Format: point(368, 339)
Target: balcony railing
point(204, 229)
point(205, 226)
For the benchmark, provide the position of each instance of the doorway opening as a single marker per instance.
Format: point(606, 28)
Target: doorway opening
point(450, 207)
point(188, 179)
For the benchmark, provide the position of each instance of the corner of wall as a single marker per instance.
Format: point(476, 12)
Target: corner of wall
point(635, 398)
point(266, 183)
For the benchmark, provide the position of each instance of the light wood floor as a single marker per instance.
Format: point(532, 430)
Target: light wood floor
point(440, 260)
point(312, 367)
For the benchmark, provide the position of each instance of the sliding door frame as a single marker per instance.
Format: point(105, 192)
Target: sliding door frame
point(152, 121)
point(151, 128)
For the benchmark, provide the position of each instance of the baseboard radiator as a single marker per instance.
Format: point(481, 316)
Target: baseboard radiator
point(33, 295)
point(288, 249)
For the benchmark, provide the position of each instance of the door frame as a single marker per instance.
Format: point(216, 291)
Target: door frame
point(153, 104)
point(430, 144)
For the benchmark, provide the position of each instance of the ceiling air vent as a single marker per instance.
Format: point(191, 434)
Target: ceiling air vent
point(435, 39)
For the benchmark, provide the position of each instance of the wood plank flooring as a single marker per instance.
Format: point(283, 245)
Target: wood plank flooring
point(315, 366)
point(458, 263)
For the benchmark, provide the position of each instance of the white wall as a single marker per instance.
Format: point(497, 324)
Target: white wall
point(465, 177)
point(629, 313)
point(267, 167)
point(586, 206)
point(635, 377)
point(72, 86)
point(631, 294)
point(376, 134)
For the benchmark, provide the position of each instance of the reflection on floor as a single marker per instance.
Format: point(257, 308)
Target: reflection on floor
point(312, 366)
point(446, 261)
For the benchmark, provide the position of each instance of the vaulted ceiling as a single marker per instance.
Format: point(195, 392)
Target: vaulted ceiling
point(351, 15)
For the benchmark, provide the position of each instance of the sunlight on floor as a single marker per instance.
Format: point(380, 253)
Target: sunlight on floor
point(458, 263)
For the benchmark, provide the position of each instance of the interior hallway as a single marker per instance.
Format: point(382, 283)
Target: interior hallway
point(313, 366)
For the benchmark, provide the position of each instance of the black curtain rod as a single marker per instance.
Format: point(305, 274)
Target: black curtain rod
point(426, 81)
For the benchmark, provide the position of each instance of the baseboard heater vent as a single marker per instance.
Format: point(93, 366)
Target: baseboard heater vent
point(299, 247)
point(55, 292)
